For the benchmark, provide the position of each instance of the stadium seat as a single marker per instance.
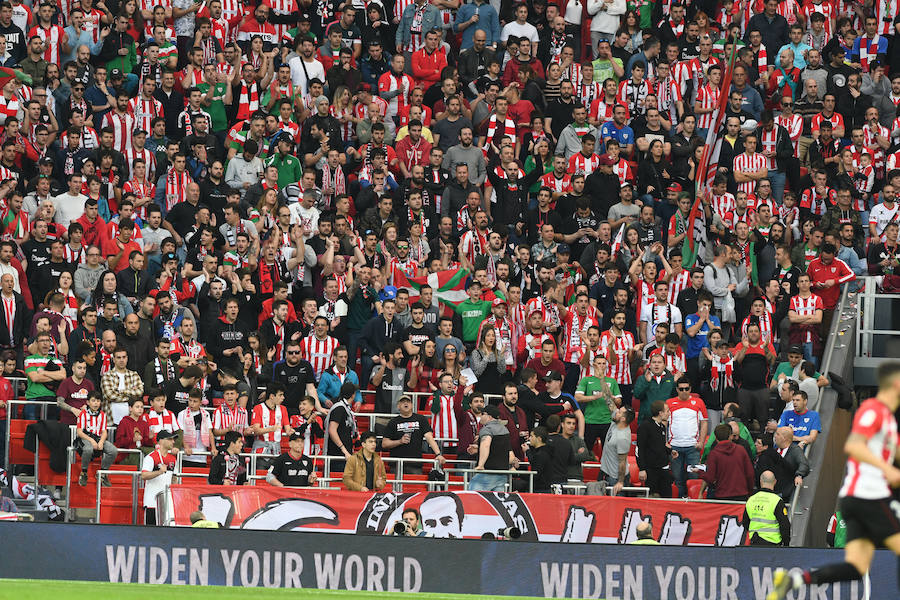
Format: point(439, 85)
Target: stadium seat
point(694, 487)
point(634, 471)
point(590, 471)
point(18, 455)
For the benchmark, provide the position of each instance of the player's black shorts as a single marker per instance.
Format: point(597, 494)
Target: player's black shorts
point(874, 520)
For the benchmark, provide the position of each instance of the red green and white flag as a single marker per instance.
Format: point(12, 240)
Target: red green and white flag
point(449, 286)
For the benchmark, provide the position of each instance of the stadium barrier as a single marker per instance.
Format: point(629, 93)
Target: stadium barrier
point(118, 553)
point(538, 517)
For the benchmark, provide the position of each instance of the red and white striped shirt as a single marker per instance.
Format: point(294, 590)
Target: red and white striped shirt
point(806, 307)
point(141, 189)
point(149, 160)
point(561, 185)
point(579, 163)
point(268, 417)
point(226, 417)
point(794, 126)
point(282, 8)
point(601, 110)
point(707, 97)
point(144, 111)
point(92, 423)
point(444, 422)
point(8, 108)
point(679, 282)
point(874, 421)
point(744, 162)
point(388, 82)
point(767, 142)
point(53, 37)
point(573, 326)
point(318, 352)
point(825, 8)
point(164, 420)
point(619, 363)
point(623, 171)
point(123, 127)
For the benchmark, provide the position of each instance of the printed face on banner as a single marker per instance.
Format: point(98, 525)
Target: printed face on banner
point(570, 519)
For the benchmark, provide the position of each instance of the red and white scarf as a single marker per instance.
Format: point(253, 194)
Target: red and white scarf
point(720, 366)
point(334, 182)
point(868, 50)
point(106, 364)
point(509, 130)
point(248, 102)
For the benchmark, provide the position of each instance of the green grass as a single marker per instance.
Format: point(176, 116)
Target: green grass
point(40, 589)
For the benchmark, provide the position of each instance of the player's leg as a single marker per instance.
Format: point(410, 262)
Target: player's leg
point(893, 544)
point(857, 554)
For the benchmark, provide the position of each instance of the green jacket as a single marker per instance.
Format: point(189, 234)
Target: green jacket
point(745, 435)
point(650, 391)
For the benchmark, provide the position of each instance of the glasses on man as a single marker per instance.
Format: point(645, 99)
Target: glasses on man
point(293, 352)
point(684, 389)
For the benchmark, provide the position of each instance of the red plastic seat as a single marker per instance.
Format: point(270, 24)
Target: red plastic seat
point(634, 471)
point(18, 455)
point(694, 486)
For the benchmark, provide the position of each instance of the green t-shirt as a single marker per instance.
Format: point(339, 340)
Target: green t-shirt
point(216, 109)
point(472, 313)
point(289, 169)
point(596, 412)
point(32, 364)
point(788, 371)
point(603, 69)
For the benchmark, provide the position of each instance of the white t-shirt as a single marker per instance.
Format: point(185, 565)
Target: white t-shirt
point(527, 30)
point(68, 208)
point(154, 486)
point(881, 215)
point(654, 314)
point(299, 77)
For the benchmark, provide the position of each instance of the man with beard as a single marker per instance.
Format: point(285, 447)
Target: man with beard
point(298, 377)
point(467, 153)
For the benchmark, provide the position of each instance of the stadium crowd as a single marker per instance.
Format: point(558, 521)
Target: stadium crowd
point(496, 214)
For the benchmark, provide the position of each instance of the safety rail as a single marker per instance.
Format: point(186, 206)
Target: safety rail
point(9, 417)
point(813, 501)
point(135, 486)
point(877, 331)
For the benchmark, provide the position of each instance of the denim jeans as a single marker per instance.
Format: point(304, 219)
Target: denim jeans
point(487, 482)
point(686, 456)
point(809, 355)
point(87, 454)
point(777, 179)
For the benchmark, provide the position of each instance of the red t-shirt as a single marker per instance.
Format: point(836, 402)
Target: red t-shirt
point(111, 248)
point(541, 370)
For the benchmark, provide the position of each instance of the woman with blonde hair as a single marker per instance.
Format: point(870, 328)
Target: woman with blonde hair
point(487, 361)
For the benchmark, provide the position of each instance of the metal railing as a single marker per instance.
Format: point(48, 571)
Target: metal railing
point(135, 486)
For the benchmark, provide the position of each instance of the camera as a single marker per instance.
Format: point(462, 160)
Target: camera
point(400, 528)
point(509, 533)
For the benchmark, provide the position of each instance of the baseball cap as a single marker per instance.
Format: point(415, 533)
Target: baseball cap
point(625, 184)
point(492, 410)
point(389, 292)
point(674, 187)
point(365, 87)
point(553, 376)
point(795, 349)
point(115, 73)
point(534, 310)
point(165, 435)
point(498, 302)
point(606, 160)
point(296, 436)
point(45, 161)
point(563, 249)
point(404, 398)
point(169, 256)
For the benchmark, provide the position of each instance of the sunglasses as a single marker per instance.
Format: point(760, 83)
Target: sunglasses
point(684, 389)
point(293, 352)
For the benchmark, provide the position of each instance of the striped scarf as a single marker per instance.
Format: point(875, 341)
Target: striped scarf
point(248, 102)
point(106, 361)
point(509, 130)
point(868, 50)
point(722, 366)
point(762, 60)
point(334, 182)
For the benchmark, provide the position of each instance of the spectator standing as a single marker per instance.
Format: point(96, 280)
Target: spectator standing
point(688, 426)
point(729, 471)
point(653, 452)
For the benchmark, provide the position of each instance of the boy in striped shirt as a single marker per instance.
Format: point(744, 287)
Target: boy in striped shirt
point(91, 431)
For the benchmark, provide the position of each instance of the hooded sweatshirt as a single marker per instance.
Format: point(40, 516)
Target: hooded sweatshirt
point(728, 468)
point(225, 335)
point(86, 278)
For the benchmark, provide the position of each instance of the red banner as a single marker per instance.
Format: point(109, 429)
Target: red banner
point(540, 517)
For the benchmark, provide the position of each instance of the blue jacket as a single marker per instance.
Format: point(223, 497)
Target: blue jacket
point(488, 22)
point(330, 386)
point(753, 103)
point(431, 19)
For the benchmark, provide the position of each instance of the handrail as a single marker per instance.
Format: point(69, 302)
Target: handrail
point(9, 417)
point(135, 479)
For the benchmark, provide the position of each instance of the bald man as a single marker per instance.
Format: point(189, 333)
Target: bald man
point(766, 515)
point(786, 460)
point(644, 532)
point(139, 347)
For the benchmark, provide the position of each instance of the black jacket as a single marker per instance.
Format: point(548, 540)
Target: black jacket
point(54, 435)
point(223, 336)
point(377, 332)
point(652, 451)
point(510, 205)
point(784, 147)
point(133, 283)
point(21, 321)
point(140, 349)
point(785, 468)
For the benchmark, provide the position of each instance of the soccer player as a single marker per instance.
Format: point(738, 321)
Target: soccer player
point(865, 498)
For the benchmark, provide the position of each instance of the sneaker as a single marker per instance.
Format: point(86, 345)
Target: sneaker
point(82, 479)
point(104, 481)
point(783, 583)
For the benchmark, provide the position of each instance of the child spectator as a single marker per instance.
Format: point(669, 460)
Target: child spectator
point(91, 431)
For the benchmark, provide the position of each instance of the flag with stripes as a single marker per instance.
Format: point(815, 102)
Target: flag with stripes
point(617, 242)
point(695, 241)
point(449, 286)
